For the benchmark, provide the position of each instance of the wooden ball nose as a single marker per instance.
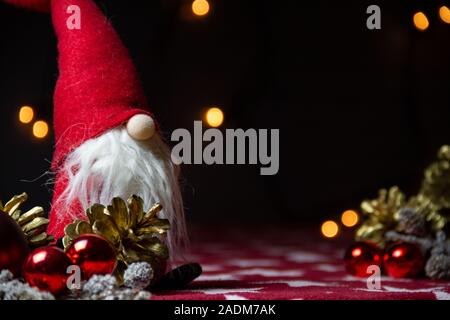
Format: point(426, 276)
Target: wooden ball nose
point(141, 127)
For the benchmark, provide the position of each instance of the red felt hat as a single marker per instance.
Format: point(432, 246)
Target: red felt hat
point(98, 88)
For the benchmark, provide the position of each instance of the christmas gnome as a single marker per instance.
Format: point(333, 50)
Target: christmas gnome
point(107, 141)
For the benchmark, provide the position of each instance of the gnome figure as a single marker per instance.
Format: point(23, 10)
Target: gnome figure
point(107, 141)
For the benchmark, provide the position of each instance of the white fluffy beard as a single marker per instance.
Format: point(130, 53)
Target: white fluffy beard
point(116, 165)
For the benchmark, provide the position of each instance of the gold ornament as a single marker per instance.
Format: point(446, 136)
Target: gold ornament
point(383, 213)
point(32, 222)
point(436, 181)
point(380, 214)
point(136, 235)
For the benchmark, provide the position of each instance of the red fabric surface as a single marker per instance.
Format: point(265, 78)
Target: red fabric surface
point(285, 264)
point(98, 88)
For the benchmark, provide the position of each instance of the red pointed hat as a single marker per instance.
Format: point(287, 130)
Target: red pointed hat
point(98, 87)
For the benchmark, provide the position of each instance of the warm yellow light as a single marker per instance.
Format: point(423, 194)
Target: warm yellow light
point(444, 13)
point(26, 114)
point(421, 21)
point(330, 229)
point(349, 218)
point(214, 117)
point(40, 129)
point(200, 7)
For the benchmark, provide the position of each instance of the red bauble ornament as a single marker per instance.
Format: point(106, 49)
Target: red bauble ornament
point(93, 254)
point(46, 268)
point(403, 260)
point(359, 256)
point(13, 245)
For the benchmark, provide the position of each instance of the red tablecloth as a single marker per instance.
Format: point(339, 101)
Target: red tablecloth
point(285, 263)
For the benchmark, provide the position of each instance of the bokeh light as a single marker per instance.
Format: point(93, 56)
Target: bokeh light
point(421, 21)
point(214, 117)
point(26, 114)
point(200, 7)
point(329, 229)
point(349, 218)
point(40, 129)
point(444, 13)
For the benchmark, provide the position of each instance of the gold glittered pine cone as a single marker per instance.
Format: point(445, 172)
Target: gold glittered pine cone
point(380, 215)
point(136, 235)
point(383, 208)
point(436, 181)
point(371, 231)
point(32, 222)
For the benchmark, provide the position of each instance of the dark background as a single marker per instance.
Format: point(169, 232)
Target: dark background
point(357, 109)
